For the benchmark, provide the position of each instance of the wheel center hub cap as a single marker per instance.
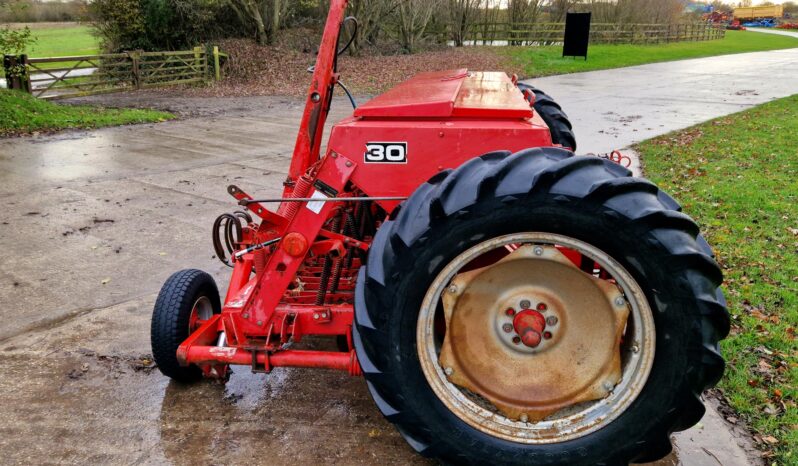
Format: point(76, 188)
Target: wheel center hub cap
point(530, 325)
point(533, 334)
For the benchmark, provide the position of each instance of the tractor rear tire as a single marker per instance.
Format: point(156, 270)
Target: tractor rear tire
point(562, 131)
point(551, 191)
point(185, 293)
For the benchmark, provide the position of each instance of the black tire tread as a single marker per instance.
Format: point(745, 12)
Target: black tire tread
point(562, 131)
point(635, 203)
point(169, 326)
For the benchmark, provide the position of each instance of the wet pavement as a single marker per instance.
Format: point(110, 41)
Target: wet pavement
point(614, 109)
point(94, 222)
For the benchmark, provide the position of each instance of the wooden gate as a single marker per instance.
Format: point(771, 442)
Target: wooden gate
point(63, 77)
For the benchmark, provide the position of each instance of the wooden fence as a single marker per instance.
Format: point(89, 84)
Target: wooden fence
point(600, 33)
point(63, 77)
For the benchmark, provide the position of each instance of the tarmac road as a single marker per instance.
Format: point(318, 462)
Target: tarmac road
point(94, 222)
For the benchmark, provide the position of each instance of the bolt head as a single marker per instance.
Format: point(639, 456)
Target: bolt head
point(635, 349)
point(348, 163)
point(620, 301)
point(260, 322)
point(525, 304)
point(507, 328)
point(316, 316)
point(609, 386)
point(524, 418)
point(245, 315)
point(453, 289)
point(538, 251)
point(552, 320)
point(448, 371)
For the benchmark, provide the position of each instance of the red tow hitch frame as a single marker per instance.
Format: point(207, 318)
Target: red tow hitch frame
point(289, 250)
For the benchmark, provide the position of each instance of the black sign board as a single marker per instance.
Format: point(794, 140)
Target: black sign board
point(577, 35)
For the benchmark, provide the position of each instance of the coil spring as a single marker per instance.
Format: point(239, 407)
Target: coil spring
point(326, 270)
point(227, 233)
point(338, 266)
point(302, 188)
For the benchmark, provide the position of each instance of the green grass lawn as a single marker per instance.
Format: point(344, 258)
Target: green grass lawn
point(63, 41)
point(545, 61)
point(23, 114)
point(69, 39)
point(738, 177)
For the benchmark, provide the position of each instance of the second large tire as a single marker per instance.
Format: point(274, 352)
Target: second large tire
point(562, 131)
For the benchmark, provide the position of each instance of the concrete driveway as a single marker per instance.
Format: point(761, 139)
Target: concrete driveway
point(614, 109)
point(94, 222)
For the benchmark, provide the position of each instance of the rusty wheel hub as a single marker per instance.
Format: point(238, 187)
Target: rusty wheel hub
point(523, 366)
point(533, 343)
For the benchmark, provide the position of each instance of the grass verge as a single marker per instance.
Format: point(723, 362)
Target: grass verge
point(59, 40)
point(545, 61)
point(24, 114)
point(65, 41)
point(738, 177)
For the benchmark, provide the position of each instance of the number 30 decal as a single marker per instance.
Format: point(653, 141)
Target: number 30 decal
point(386, 152)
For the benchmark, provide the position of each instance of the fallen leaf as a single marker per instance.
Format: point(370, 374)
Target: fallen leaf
point(105, 281)
point(769, 439)
point(756, 313)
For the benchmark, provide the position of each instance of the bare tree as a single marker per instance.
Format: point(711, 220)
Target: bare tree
point(371, 15)
point(559, 8)
point(524, 11)
point(520, 12)
point(413, 17)
point(264, 16)
point(462, 15)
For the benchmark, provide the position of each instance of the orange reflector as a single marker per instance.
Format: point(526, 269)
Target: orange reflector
point(295, 244)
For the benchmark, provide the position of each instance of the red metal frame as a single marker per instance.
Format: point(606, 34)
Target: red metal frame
point(304, 279)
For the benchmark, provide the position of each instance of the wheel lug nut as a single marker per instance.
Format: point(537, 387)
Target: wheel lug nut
point(542, 306)
point(525, 304)
point(510, 312)
point(507, 328)
point(552, 320)
point(547, 335)
point(517, 340)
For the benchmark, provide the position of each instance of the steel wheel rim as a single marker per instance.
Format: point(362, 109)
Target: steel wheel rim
point(637, 359)
point(201, 311)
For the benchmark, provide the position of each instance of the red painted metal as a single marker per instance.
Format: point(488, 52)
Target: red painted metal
point(447, 94)
point(289, 358)
point(432, 146)
point(306, 254)
point(529, 325)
